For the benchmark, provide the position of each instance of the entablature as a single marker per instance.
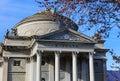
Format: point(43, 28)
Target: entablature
point(65, 46)
point(17, 42)
point(16, 53)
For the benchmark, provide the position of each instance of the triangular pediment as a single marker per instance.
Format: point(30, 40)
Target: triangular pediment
point(67, 35)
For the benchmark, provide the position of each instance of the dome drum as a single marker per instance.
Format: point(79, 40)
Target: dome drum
point(43, 23)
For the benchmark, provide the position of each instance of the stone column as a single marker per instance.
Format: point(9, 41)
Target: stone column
point(32, 69)
point(83, 70)
point(67, 73)
point(57, 66)
point(5, 69)
point(104, 69)
point(74, 66)
point(51, 69)
point(27, 77)
point(38, 68)
point(1, 71)
point(91, 67)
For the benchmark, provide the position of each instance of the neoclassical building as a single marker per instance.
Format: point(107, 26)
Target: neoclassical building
point(45, 47)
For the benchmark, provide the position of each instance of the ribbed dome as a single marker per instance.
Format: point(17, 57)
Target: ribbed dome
point(42, 23)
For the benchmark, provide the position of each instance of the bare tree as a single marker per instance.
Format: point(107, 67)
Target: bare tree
point(99, 15)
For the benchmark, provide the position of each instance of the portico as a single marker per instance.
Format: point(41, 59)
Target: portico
point(73, 53)
point(74, 66)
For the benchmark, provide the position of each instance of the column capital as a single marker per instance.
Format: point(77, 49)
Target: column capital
point(75, 52)
point(28, 59)
point(6, 59)
point(57, 52)
point(39, 51)
point(1, 63)
point(92, 53)
point(32, 58)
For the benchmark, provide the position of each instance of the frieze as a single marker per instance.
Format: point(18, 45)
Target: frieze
point(59, 45)
point(65, 47)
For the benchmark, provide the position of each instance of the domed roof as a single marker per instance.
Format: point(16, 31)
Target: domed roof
point(43, 23)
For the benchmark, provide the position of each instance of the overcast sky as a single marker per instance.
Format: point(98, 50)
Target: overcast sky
point(12, 11)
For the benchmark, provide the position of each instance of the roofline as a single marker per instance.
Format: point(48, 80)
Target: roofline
point(47, 13)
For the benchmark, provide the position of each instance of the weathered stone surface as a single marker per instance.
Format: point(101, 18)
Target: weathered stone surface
point(43, 23)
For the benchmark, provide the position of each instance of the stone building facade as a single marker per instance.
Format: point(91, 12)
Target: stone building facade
point(43, 47)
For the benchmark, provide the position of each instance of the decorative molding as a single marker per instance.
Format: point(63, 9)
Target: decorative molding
point(6, 59)
point(27, 59)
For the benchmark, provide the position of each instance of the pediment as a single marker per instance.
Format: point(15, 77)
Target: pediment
point(67, 35)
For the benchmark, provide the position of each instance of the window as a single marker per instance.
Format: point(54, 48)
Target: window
point(43, 79)
point(96, 64)
point(43, 62)
point(16, 63)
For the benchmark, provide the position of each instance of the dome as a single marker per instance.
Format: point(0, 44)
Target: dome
point(43, 23)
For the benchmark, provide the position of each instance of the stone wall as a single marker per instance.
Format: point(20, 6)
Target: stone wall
point(98, 69)
point(16, 69)
point(1, 71)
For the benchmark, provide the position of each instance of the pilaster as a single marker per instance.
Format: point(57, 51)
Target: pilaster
point(5, 69)
point(27, 77)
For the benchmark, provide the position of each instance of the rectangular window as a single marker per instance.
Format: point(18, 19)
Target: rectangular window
point(16, 63)
point(43, 79)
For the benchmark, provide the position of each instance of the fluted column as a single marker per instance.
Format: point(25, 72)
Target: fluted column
point(57, 66)
point(91, 67)
point(74, 66)
point(38, 68)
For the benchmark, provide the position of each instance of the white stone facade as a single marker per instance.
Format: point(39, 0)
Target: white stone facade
point(61, 55)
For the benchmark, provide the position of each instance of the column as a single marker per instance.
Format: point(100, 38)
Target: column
point(51, 69)
point(38, 68)
point(67, 72)
point(83, 70)
point(1, 71)
point(5, 69)
point(74, 66)
point(32, 69)
point(91, 67)
point(104, 69)
point(27, 69)
point(57, 66)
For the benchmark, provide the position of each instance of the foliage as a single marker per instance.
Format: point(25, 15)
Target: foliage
point(116, 59)
point(99, 15)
